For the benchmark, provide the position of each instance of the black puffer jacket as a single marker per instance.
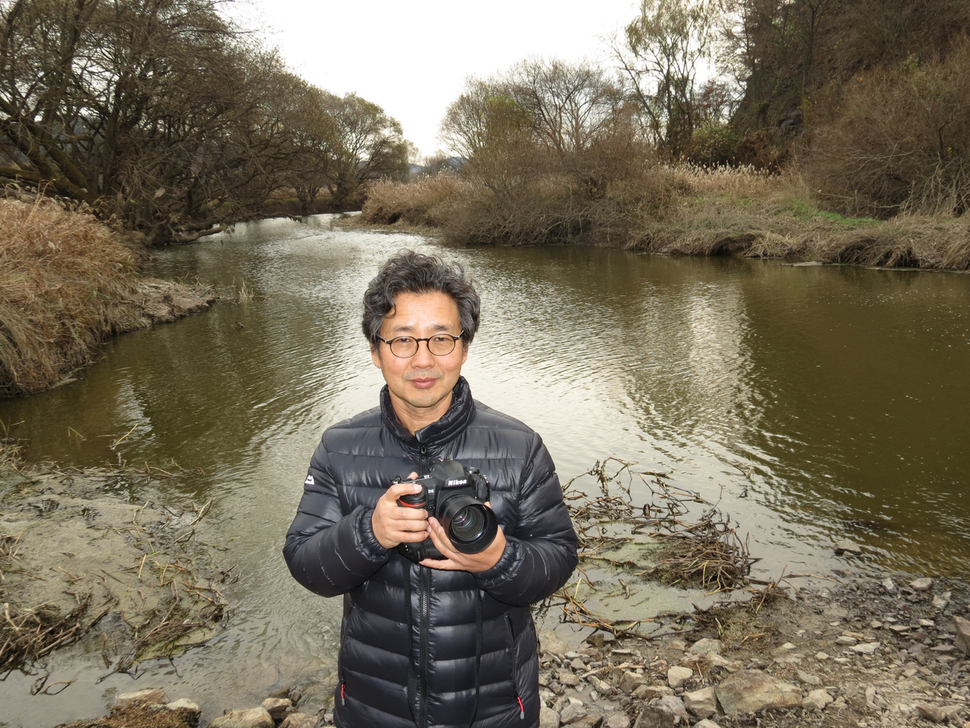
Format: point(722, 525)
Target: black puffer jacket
point(420, 646)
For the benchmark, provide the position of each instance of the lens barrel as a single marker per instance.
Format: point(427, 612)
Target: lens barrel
point(470, 524)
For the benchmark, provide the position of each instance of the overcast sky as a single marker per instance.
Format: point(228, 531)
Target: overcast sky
point(411, 57)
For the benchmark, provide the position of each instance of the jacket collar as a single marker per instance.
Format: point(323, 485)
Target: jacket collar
point(454, 421)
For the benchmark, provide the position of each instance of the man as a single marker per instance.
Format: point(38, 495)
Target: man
point(448, 641)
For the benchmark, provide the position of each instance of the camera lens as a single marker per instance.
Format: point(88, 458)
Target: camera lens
point(467, 523)
point(470, 525)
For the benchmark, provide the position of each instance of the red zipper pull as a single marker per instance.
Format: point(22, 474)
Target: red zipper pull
point(521, 708)
point(343, 688)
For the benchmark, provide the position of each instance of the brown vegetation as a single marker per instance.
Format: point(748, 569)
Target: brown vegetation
point(618, 538)
point(61, 276)
point(67, 283)
point(676, 211)
point(896, 140)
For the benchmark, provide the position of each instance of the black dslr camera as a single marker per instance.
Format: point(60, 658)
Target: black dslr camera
point(456, 496)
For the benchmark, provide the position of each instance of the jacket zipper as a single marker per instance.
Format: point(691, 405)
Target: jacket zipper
point(514, 668)
point(424, 618)
point(424, 606)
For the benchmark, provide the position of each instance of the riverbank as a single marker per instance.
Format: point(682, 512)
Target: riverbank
point(679, 211)
point(127, 581)
point(67, 284)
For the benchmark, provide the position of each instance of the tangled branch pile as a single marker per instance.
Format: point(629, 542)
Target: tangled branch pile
point(705, 553)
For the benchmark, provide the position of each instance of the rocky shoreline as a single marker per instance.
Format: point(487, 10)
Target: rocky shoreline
point(866, 652)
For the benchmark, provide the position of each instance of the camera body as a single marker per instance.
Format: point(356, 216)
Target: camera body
point(456, 496)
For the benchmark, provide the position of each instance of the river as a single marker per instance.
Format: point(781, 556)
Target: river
point(811, 403)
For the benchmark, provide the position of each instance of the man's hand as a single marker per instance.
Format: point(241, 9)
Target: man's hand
point(394, 524)
point(456, 560)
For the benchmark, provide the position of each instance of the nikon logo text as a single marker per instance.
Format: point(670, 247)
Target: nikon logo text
point(453, 483)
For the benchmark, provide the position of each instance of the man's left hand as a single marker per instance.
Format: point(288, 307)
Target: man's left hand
point(456, 560)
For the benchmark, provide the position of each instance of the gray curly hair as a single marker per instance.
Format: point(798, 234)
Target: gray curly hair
point(411, 272)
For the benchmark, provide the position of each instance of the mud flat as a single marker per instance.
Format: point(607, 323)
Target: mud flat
point(85, 568)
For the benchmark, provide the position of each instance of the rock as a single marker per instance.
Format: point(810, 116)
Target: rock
point(932, 712)
point(866, 648)
point(572, 713)
point(651, 692)
point(751, 691)
point(706, 647)
point(702, 703)
point(664, 712)
point(149, 696)
point(569, 679)
point(677, 676)
point(922, 584)
point(847, 547)
point(617, 720)
point(706, 724)
point(807, 678)
point(817, 700)
point(276, 707)
point(305, 720)
point(630, 681)
point(551, 643)
point(601, 686)
point(962, 628)
point(186, 705)
point(548, 718)
point(940, 601)
point(889, 585)
point(251, 718)
point(589, 721)
point(717, 662)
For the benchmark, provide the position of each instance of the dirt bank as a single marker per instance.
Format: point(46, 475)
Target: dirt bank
point(85, 567)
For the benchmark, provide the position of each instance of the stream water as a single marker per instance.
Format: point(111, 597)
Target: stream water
point(811, 403)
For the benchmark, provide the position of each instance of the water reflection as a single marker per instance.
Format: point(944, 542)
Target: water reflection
point(813, 403)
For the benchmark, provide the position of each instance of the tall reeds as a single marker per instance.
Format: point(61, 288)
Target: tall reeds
point(64, 282)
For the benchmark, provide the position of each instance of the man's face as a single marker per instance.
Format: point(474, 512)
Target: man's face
point(420, 385)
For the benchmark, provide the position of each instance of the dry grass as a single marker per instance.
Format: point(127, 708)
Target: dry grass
point(63, 280)
point(428, 201)
point(684, 210)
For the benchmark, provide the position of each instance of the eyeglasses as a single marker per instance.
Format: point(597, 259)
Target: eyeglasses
point(404, 347)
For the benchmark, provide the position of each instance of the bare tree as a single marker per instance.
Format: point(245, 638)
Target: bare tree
point(663, 55)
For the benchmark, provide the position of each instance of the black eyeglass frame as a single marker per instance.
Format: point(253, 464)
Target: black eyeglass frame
point(417, 343)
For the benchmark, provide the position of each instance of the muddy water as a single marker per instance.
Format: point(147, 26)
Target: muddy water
point(814, 404)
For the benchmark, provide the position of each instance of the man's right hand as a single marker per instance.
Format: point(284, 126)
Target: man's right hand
point(394, 524)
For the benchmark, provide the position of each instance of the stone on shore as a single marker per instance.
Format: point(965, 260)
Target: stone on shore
point(251, 718)
point(962, 628)
point(751, 691)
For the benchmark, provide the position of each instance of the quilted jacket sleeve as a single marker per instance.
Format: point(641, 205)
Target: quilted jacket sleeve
point(541, 551)
point(327, 551)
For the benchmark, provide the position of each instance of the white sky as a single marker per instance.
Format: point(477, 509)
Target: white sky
point(412, 57)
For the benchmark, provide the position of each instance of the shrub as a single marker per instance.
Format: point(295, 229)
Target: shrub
point(426, 201)
point(61, 274)
point(899, 140)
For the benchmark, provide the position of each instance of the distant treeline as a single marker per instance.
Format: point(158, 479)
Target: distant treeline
point(163, 116)
point(836, 115)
